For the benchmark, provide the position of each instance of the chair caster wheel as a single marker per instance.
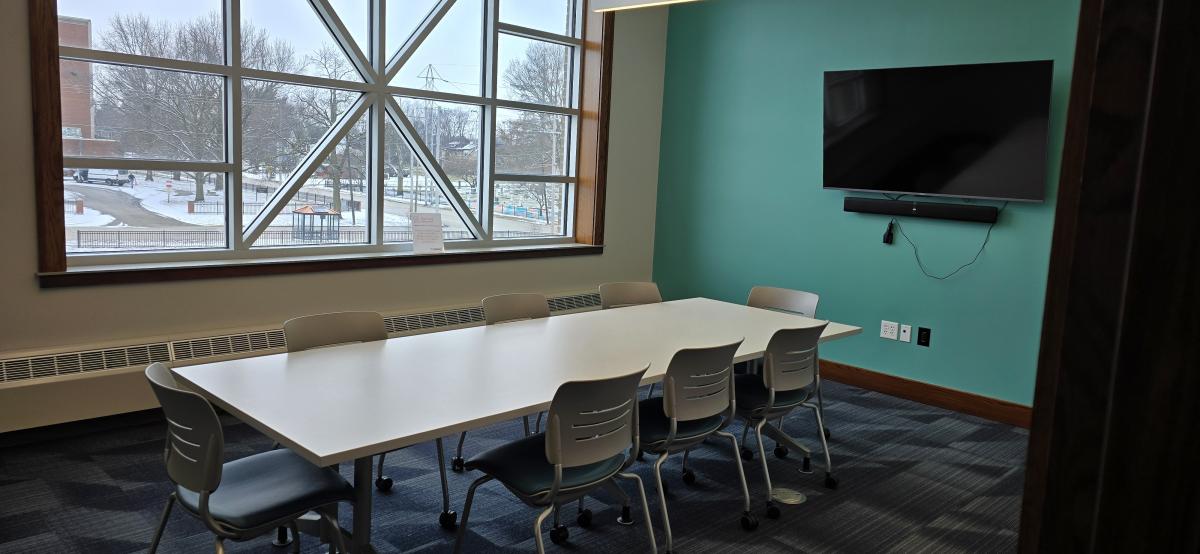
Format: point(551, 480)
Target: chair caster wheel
point(457, 464)
point(747, 454)
point(448, 520)
point(384, 484)
point(781, 451)
point(559, 534)
point(641, 457)
point(773, 511)
point(749, 522)
point(584, 519)
point(689, 477)
point(830, 482)
point(827, 435)
point(283, 537)
point(626, 516)
point(806, 465)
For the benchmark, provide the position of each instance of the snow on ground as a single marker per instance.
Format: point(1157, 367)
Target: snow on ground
point(153, 195)
point(89, 218)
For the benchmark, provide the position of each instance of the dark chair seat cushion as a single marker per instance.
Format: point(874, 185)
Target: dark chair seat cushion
point(752, 395)
point(655, 425)
point(259, 489)
point(522, 466)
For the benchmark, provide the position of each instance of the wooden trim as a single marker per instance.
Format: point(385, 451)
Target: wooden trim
point(47, 134)
point(102, 275)
point(596, 80)
point(992, 409)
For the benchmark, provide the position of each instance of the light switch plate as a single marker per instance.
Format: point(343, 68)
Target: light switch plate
point(889, 330)
point(906, 333)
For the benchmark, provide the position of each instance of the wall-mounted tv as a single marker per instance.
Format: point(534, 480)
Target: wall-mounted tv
point(971, 131)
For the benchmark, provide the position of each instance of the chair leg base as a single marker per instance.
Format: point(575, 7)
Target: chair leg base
point(448, 520)
point(749, 522)
point(773, 511)
point(457, 464)
point(384, 483)
point(282, 537)
point(830, 482)
point(626, 517)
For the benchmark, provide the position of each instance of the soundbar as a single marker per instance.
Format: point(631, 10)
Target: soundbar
point(933, 210)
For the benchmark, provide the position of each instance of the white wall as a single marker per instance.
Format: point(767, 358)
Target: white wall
point(31, 318)
point(34, 318)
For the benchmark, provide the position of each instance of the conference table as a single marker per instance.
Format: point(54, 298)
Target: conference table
point(348, 403)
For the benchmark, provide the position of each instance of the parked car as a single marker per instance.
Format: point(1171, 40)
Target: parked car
point(117, 177)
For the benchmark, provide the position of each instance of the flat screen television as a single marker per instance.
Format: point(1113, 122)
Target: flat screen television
point(970, 131)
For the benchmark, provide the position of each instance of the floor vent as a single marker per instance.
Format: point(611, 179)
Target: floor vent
point(197, 349)
point(20, 369)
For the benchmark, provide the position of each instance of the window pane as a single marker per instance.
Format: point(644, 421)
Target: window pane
point(281, 125)
point(553, 16)
point(403, 16)
point(529, 210)
point(290, 37)
point(356, 16)
point(122, 211)
point(192, 30)
point(408, 188)
point(333, 205)
point(449, 58)
point(134, 112)
point(534, 71)
point(451, 132)
point(532, 143)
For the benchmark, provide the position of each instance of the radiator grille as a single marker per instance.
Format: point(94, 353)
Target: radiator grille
point(140, 355)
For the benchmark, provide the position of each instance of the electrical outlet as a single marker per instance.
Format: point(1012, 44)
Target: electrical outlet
point(923, 336)
point(889, 330)
point(906, 333)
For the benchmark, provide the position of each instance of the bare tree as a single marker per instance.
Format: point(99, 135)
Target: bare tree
point(171, 114)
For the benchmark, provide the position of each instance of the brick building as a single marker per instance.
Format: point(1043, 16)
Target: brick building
point(78, 125)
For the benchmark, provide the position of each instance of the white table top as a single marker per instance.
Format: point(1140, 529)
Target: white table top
point(333, 405)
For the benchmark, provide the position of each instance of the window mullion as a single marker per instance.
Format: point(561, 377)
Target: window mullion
point(377, 150)
point(488, 147)
point(340, 34)
point(233, 125)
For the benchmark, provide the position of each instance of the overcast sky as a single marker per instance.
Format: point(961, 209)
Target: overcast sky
point(453, 48)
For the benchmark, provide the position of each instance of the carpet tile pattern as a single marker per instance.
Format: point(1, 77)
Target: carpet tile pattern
point(913, 478)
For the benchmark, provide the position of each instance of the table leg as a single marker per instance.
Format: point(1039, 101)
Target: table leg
point(363, 495)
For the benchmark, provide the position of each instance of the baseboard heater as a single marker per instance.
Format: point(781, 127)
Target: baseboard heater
point(932, 210)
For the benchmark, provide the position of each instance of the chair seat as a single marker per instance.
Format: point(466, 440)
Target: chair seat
point(522, 466)
point(655, 425)
point(263, 488)
point(752, 395)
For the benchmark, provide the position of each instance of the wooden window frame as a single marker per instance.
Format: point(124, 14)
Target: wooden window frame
point(595, 79)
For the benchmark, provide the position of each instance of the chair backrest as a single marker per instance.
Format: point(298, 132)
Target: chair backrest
point(591, 421)
point(195, 444)
point(619, 295)
point(315, 331)
point(503, 308)
point(790, 361)
point(784, 300)
point(699, 382)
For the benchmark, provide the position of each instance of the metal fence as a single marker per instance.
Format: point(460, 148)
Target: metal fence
point(119, 239)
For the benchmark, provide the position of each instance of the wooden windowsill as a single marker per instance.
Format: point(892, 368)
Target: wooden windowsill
point(186, 271)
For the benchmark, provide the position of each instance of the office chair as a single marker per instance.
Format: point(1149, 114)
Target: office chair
point(697, 403)
point(591, 429)
point(245, 498)
point(620, 295)
point(333, 329)
point(503, 308)
point(793, 302)
point(789, 371)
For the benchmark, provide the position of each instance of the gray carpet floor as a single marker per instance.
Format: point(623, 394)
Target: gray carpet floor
point(912, 479)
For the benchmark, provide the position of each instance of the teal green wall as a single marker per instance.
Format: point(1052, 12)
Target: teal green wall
point(740, 201)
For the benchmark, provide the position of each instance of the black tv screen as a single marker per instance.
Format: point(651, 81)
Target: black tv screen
point(972, 131)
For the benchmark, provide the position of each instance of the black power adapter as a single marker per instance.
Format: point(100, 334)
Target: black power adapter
point(887, 235)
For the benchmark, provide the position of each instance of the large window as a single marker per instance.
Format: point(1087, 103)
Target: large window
point(236, 129)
